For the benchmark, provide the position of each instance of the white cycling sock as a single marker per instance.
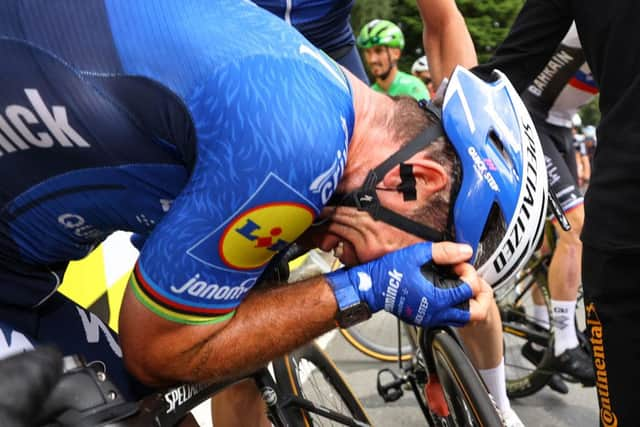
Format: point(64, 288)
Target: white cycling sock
point(541, 315)
point(563, 313)
point(495, 380)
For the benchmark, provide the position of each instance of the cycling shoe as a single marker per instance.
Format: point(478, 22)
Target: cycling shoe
point(556, 383)
point(577, 363)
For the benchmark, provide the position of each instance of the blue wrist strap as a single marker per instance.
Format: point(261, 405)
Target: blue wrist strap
point(344, 291)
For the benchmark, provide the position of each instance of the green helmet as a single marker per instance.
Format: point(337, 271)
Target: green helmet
point(381, 32)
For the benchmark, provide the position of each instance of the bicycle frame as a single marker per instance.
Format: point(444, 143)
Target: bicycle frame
point(89, 398)
point(412, 374)
point(169, 407)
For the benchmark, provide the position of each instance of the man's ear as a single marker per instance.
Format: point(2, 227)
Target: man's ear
point(395, 53)
point(430, 176)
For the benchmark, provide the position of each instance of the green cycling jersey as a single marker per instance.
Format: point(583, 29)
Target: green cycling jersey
point(405, 84)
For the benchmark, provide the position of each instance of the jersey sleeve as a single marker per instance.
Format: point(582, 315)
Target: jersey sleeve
point(534, 36)
point(272, 143)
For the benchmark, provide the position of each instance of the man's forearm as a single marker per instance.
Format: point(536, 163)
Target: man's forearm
point(267, 324)
point(447, 41)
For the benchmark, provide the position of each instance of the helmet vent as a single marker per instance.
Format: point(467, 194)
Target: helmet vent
point(492, 235)
point(497, 143)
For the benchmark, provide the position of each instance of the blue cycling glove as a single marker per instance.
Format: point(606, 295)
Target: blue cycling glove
point(397, 284)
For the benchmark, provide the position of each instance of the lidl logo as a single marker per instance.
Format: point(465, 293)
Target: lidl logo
point(273, 216)
point(252, 239)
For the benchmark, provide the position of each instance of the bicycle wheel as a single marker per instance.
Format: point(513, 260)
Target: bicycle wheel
point(378, 338)
point(308, 372)
point(467, 397)
point(527, 345)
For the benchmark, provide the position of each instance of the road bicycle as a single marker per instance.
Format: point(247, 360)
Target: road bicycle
point(304, 388)
point(447, 388)
point(301, 389)
point(527, 375)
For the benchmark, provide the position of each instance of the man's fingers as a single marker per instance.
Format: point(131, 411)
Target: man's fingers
point(469, 275)
point(454, 296)
point(480, 304)
point(452, 317)
point(450, 253)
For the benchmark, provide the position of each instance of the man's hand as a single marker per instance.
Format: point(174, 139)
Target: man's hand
point(396, 284)
point(454, 255)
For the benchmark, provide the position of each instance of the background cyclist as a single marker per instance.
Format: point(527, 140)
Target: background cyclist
point(382, 42)
point(583, 165)
point(553, 98)
point(611, 236)
point(420, 69)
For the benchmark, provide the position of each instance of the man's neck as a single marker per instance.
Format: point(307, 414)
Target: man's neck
point(386, 83)
point(371, 142)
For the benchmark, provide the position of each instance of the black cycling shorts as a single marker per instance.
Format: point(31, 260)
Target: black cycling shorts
point(559, 155)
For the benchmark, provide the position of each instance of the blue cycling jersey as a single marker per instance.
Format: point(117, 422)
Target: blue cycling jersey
point(325, 23)
point(213, 129)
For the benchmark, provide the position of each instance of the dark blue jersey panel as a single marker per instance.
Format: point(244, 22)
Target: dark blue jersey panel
point(85, 39)
point(55, 120)
point(326, 23)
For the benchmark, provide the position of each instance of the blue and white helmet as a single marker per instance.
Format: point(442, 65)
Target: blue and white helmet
point(504, 178)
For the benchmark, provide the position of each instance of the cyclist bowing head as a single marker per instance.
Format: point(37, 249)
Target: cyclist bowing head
point(381, 127)
point(400, 177)
point(486, 159)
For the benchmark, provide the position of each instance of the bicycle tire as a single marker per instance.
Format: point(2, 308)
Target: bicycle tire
point(289, 372)
point(467, 397)
point(526, 375)
point(365, 338)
